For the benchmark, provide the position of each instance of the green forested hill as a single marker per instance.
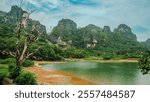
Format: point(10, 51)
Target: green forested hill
point(121, 40)
point(65, 30)
point(88, 36)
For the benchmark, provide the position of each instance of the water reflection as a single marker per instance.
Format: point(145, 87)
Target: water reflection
point(103, 73)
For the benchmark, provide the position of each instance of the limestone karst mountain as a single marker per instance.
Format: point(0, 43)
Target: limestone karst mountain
point(121, 39)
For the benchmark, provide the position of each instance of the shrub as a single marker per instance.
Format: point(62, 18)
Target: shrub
point(108, 56)
point(13, 71)
point(27, 63)
point(26, 78)
point(56, 57)
point(79, 54)
point(47, 52)
point(8, 61)
point(73, 53)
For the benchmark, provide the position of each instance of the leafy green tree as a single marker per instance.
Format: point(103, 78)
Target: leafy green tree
point(144, 62)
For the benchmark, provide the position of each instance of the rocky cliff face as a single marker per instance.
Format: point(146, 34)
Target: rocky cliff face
point(106, 29)
point(125, 32)
point(16, 13)
point(91, 35)
point(123, 28)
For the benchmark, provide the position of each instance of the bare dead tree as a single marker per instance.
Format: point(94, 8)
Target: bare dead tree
point(21, 54)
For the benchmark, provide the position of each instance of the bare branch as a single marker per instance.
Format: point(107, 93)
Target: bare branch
point(26, 44)
point(30, 54)
point(33, 11)
point(12, 54)
point(33, 28)
point(25, 19)
point(4, 52)
point(22, 2)
point(28, 9)
point(8, 53)
point(19, 27)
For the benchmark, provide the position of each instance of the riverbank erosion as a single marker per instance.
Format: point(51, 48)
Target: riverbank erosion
point(50, 77)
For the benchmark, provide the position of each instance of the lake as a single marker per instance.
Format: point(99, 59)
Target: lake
point(103, 73)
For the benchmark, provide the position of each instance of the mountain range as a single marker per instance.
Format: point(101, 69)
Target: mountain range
point(120, 40)
point(67, 34)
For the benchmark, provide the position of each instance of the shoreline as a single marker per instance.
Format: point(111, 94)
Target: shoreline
point(82, 60)
point(117, 61)
point(55, 77)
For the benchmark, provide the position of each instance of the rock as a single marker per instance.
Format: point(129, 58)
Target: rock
point(123, 28)
point(106, 29)
point(7, 81)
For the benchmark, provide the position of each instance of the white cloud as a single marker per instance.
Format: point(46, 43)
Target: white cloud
point(106, 12)
point(48, 3)
point(4, 6)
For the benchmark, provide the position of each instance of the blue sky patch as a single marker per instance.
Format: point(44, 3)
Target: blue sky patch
point(141, 29)
point(83, 2)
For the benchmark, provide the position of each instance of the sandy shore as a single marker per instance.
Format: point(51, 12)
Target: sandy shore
point(106, 61)
point(117, 61)
point(50, 77)
point(82, 60)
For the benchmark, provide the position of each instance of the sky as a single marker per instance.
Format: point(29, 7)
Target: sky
point(134, 13)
